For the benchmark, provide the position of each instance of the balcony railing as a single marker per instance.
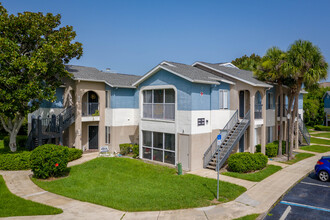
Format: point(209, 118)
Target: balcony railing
point(165, 111)
point(90, 109)
point(258, 111)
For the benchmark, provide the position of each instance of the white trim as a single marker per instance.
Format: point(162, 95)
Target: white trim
point(166, 63)
point(223, 80)
point(224, 64)
point(96, 80)
point(227, 74)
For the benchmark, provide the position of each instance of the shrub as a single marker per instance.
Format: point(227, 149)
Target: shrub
point(125, 148)
point(20, 142)
point(321, 128)
point(245, 162)
point(136, 150)
point(15, 161)
point(49, 160)
point(271, 148)
point(74, 154)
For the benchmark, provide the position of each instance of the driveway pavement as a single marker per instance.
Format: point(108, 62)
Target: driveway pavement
point(309, 199)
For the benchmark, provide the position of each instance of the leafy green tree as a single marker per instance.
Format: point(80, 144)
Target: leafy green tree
point(247, 63)
point(33, 52)
point(270, 70)
point(305, 65)
point(314, 106)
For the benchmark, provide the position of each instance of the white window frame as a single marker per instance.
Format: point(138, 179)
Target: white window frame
point(223, 99)
point(163, 149)
point(163, 103)
point(107, 135)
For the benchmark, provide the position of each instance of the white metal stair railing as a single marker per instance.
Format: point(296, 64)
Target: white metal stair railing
point(211, 151)
point(230, 142)
point(304, 131)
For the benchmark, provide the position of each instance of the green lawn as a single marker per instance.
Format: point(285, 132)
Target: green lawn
point(316, 148)
point(248, 217)
point(256, 176)
point(320, 141)
point(326, 135)
point(12, 205)
point(299, 157)
point(133, 185)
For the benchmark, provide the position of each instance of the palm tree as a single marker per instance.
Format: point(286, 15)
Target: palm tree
point(271, 70)
point(305, 65)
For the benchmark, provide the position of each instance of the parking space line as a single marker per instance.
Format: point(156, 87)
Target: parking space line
point(315, 184)
point(285, 213)
point(305, 206)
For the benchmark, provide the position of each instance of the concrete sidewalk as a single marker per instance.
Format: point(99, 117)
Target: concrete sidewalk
point(257, 199)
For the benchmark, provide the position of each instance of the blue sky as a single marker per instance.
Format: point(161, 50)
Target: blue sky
point(134, 36)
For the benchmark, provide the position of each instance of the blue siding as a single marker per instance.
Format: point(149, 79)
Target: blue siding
point(215, 95)
point(327, 101)
point(58, 103)
point(184, 87)
point(123, 97)
point(189, 94)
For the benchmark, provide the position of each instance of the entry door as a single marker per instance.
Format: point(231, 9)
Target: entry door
point(241, 104)
point(93, 141)
point(184, 151)
point(241, 144)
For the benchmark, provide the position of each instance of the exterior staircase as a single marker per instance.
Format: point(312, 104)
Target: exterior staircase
point(304, 131)
point(47, 130)
point(231, 134)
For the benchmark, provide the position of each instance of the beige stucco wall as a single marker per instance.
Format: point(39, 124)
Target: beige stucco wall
point(123, 134)
point(81, 87)
point(199, 144)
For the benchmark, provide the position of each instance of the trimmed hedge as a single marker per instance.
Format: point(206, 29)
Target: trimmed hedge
point(49, 160)
point(129, 148)
point(271, 148)
point(15, 161)
point(246, 162)
point(74, 154)
point(20, 142)
point(321, 128)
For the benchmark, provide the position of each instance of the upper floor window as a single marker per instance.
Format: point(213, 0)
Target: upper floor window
point(159, 104)
point(270, 98)
point(107, 99)
point(223, 99)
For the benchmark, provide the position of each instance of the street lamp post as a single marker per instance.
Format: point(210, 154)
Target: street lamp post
point(288, 138)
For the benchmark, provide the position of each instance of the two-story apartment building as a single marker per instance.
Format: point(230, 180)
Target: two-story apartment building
point(175, 112)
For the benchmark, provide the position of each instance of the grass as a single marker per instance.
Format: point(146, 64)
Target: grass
point(316, 148)
point(299, 157)
point(320, 141)
point(256, 176)
point(248, 217)
point(325, 135)
point(133, 185)
point(12, 205)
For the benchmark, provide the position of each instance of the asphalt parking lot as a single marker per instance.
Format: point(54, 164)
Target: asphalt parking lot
point(309, 199)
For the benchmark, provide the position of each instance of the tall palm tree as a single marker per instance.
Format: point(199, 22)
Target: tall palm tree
point(306, 65)
point(271, 70)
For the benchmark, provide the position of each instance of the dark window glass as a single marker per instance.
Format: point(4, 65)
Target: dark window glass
point(158, 140)
point(169, 96)
point(159, 96)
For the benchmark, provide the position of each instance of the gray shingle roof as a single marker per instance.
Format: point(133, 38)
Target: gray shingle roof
point(242, 75)
point(93, 74)
point(190, 72)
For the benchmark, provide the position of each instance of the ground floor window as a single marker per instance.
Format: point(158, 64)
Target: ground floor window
point(107, 134)
point(158, 146)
